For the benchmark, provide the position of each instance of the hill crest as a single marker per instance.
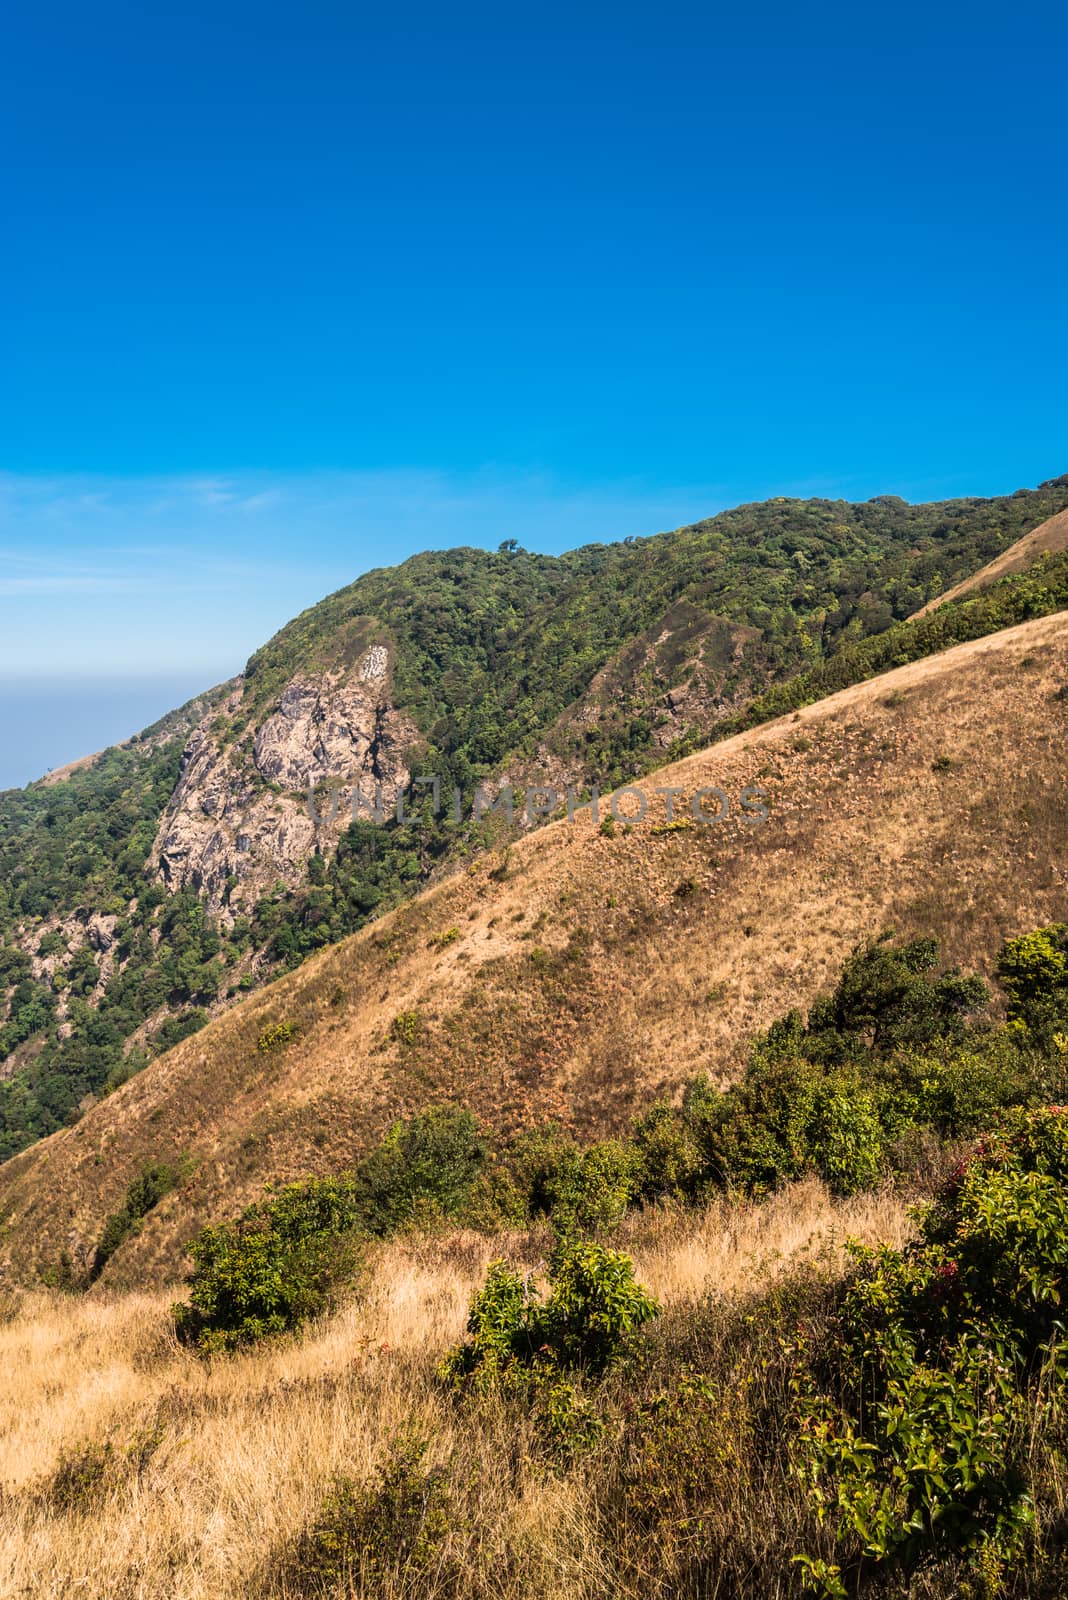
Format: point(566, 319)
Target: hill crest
point(579, 975)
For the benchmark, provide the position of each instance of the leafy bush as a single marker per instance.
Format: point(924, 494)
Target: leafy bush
point(275, 1037)
point(404, 1028)
point(887, 998)
point(424, 1169)
point(367, 1538)
point(1034, 972)
point(284, 1261)
point(946, 1348)
point(146, 1191)
point(670, 1161)
point(589, 1318)
point(789, 1118)
point(592, 1193)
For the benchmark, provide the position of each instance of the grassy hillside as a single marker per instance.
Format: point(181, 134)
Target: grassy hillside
point(601, 664)
point(216, 1466)
point(687, 1367)
point(580, 974)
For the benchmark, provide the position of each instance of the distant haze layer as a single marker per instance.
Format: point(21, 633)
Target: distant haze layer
point(45, 723)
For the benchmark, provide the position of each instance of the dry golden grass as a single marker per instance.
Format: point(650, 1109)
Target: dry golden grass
point(591, 974)
point(241, 1450)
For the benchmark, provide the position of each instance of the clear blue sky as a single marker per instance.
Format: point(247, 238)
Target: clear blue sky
point(289, 292)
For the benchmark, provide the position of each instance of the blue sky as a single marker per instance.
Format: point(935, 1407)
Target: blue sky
point(289, 292)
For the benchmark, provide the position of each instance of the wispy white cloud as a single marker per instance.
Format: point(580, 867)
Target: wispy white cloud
point(173, 572)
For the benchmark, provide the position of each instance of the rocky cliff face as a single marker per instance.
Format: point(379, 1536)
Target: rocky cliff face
point(240, 819)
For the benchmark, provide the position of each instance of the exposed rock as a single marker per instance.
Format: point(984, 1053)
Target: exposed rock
point(100, 932)
point(240, 819)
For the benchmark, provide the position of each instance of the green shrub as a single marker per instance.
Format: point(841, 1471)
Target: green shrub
point(963, 1089)
point(1034, 972)
point(592, 1193)
point(588, 1320)
point(146, 1191)
point(670, 1158)
point(888, 997)
point(789, 1118)
point(404, 1029)
point(518, 1180)
point(945, 1349)
point(423, 1170)
point(369, 1538)
point(595, 1306)
point(275, 1037)
point(284, 1261)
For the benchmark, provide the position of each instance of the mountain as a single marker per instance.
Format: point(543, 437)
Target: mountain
point(1050, 538)
point(146, 891)
point(582, 970)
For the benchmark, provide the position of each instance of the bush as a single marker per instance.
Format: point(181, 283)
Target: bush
point(1034, 972)
point(284, 1261)
point(544, 1172)
point(275, 1037)
point(962, 1090)
point(945, 1349)
point(423, 1170)
point(886, 999)
point(589, 1319)
point(592, 1193)
point(367, 1538)
point(404, 1029)
point(86, 1475)
point(789, 1118)
point(525, 1180)
point(146, 1191)
point(669, 1155)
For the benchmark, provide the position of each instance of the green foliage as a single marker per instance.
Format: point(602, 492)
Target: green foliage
point(944, 1348)
point(1034, 972)
point(892, 1049)
point(275, 1037)
point(887, 998)
point(588, 1320)
point(284, 1261)
point(369, 1538)
point(145, 1191)
point(794, 1117)
point(423, 1170)
point(1012, 600)
point(670, 1159)
point(591, 1193)
point(405, 1027)
point(595, 1306)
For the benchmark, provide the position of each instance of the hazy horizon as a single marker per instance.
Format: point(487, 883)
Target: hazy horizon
point(47, 722)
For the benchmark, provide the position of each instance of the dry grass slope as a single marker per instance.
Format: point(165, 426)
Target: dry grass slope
point(588, 974)
point(212, 1465)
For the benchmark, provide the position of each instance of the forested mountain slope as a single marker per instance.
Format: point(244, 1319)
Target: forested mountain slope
point(1050, 538)
point(585, 969)
point(153, 886)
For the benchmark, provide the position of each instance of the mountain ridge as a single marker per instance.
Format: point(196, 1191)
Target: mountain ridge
point(150, 889)
point(577, 975)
